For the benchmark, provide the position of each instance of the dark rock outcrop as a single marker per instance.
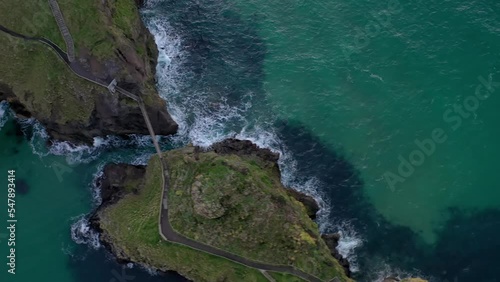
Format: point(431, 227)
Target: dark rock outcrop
point(132, 62)
point(244, 147)
point(118, 179)
point(309, 202)
point(332, 241)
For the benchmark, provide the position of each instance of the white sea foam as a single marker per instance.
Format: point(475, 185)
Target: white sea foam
point(76, 154)
point(95, 188)
point(39, 136)
point(141, 159)
point(170, 53)
point(203, 122)
point(81, 233)
point(4, 113)
point(84, 153)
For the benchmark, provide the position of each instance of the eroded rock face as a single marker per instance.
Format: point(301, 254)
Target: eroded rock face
point(117, 179)
point(100, 113)
point(309, 202)
point(244, 147)
point(395, 279)
point(206, 200)
point(332, 241)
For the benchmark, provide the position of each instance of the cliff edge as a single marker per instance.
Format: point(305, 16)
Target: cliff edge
point(110, 42)
point(229, 197)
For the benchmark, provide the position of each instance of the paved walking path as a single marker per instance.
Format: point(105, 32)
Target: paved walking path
point(62, 55)
point(169, 234)
point(165, 228)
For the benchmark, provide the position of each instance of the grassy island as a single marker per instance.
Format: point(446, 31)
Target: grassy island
point(232, 202)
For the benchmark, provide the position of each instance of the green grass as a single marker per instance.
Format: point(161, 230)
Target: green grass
point(44, 82)
point(271, 236)
point(260, 220)
point(133, 225)
point(88, 27)
point(125, 16)
point(32, 18)
point(39, 78)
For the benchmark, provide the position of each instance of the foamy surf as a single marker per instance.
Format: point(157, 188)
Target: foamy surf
point(205, 119)
point(4, 114)
point(95, 187)
point(81, 233)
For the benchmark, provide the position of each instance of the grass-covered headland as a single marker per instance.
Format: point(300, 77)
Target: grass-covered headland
point(230, 201)
point(110, 41)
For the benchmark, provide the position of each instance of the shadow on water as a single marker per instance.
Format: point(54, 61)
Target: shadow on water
point(468, 248)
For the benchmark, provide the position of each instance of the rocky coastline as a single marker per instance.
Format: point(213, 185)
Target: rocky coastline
point(73, 109)
point(77, 111)
point(119, 180)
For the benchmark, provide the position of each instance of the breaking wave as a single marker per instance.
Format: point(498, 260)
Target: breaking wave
point(4, 113)
point(204, 120)
point(82, 233)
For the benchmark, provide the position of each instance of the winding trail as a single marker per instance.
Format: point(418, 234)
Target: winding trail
point(165, 228)
point(169, 234)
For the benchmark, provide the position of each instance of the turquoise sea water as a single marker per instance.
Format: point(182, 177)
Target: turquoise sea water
point(54, 192)
point(351, 93)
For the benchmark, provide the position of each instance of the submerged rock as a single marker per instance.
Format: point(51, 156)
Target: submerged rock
point(22, 187)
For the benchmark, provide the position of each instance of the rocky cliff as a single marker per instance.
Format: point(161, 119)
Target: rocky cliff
point(229, 197)
point(110, 41)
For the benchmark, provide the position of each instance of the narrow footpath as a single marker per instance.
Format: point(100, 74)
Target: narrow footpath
point(165, 228)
